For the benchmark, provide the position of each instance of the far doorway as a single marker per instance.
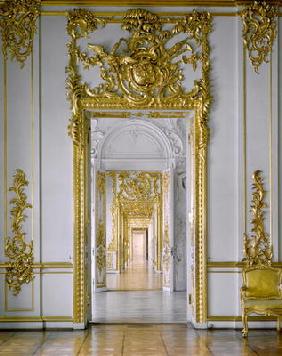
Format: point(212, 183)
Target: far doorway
point(139, 274)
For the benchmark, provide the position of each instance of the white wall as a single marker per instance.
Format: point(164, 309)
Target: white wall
point(36, 140)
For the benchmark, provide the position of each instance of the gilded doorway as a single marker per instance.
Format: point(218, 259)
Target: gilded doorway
point(158, 64)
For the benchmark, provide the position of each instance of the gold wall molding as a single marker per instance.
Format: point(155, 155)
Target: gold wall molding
point(18, 26)
point(234, 264)
point(259, 31)
point(21, 319)
point(258, 249)
point(126, 86)
point(19, 252)
point(151, 3)
point(239, 318)
point(44, 265)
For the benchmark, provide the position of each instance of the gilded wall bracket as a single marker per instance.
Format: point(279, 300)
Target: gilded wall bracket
point(18, 26)
point(259, 31)
point(19, 252)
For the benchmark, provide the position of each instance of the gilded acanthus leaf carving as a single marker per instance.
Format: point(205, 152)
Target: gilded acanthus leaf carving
point(259, 31)
point(19, 252)
point(101, 247)
point(258, 248)
point(143, 70)
point(138, 186)
point(18, 26)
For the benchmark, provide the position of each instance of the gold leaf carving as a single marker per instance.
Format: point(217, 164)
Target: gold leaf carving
point(101, 182)
point(259, 31)
point(18, 26)
point(143, 70)
point(19, 252)
point(136, 186)
point(258, 248)
point(101, 247)
point(80, 23)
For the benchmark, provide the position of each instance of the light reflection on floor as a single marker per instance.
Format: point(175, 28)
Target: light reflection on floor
point(137, 276)
point(135, 296)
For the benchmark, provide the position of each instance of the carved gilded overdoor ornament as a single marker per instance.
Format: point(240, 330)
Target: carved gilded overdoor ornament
point(259, 31)
point(258, 249)
point(19, 252)
point(142, 70)
point(18, 26)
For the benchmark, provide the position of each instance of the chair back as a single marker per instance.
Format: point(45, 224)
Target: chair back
point(262, 282)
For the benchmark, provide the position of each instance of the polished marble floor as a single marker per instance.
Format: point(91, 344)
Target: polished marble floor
point(137, 276)
point(139, 307)
point(135, 340)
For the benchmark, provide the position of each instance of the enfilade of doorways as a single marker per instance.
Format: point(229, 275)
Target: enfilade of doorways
point(133, 291)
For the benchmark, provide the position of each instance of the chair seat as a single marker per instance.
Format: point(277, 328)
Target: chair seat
point(263, 303)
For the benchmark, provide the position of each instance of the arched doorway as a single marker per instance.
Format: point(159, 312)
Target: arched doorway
point(136, 169)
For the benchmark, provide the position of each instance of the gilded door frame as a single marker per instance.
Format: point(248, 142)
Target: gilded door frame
point(198, 24)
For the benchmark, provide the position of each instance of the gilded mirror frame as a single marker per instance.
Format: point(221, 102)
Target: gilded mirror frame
point(120, 96)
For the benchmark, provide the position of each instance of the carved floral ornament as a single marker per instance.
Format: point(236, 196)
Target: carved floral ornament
point(141, 71)
point(258, 249)
point(18, 26)
point(259, 31)
point(19, 252)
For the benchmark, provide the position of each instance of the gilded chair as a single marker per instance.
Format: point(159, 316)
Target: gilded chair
point(261, 293)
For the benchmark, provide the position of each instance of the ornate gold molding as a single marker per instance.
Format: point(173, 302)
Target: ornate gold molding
point(259, 31)
point(258, 248)
point(151, 3)
point(18, 26)
point(19, 252)
point(101, 247)
point(126, 85)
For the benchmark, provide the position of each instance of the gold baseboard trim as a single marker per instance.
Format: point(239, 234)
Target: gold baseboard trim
point(234, 264)
point(30, 319)
point(239, 318)
point(44, 265)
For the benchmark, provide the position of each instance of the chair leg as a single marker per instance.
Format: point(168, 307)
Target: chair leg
point(245, 324)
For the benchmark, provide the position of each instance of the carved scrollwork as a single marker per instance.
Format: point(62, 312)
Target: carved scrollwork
point(258, 248)
point(101, 247)
point(142, 70)
point(259, 31)
point(18, 26)
point(19, 252)
point(138, 186)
